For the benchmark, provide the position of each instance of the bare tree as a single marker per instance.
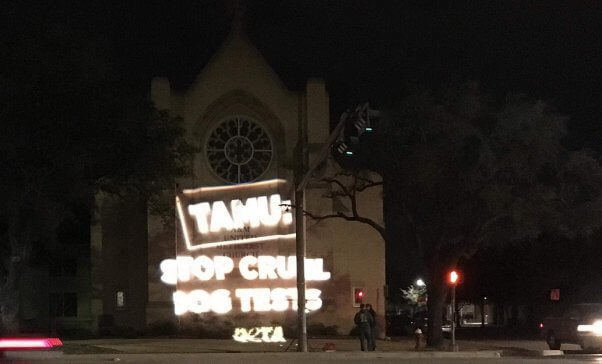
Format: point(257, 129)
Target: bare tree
point(346, 185)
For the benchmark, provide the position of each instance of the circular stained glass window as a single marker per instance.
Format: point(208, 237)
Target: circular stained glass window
point(239, 150)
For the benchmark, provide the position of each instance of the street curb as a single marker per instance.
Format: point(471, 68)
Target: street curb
point(515, 352)
point(407, 354)
point(551, 352)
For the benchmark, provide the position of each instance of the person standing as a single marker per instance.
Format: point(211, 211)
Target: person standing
point(364, 321)
point(373, 328)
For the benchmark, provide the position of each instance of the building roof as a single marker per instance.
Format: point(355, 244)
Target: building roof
point(290, 75)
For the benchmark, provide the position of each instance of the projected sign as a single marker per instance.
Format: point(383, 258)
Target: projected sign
point(205, 274)
point(239, 214)
point(203, 268)
point(263, 334)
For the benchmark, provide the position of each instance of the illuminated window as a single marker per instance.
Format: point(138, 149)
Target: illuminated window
point(239, 150)
point(120, 299)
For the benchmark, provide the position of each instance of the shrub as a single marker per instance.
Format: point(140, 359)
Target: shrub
point(318, 329)
point(162, 328)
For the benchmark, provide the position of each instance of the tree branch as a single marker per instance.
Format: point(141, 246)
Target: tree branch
point(353, 199)
point(364, 220)
point(369, 185)
point(472, 242)
point(338, 183)
point(334, 194)
point(349, 192)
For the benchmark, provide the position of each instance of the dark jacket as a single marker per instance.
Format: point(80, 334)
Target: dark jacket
point(373, 314)
point(363, 318)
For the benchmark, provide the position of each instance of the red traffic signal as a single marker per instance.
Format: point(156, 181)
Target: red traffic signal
point(453, 277)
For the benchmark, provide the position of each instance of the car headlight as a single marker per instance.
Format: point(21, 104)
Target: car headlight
point(595, 328)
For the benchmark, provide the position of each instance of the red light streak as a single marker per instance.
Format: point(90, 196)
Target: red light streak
point(29, 343)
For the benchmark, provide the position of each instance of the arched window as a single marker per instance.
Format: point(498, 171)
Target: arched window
point(239, 150)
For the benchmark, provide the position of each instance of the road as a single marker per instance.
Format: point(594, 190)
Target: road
point(157, 350)
point(296, 358)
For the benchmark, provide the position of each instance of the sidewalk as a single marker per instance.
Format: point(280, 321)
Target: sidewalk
point(266, 358)
point(136, 346)
point(140, 346)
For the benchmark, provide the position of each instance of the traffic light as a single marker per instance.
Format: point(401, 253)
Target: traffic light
point(453, 278)
point(358, 297)
point(341, 148)
point(358, 123)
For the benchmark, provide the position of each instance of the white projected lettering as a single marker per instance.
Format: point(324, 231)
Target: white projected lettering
point(203, 268)
point(247, 267)
point(200, 301)
point(169, 269)
point(277, 299)
point(263, 334)
point(251, 299)
point(255, 211)
point(286, 267)
point(263, 267)
point(244, 214)
point(200, 212)
point(220, 216)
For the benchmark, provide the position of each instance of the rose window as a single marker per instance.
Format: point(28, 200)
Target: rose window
point(239, 150)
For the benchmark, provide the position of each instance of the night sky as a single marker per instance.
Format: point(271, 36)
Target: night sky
point(366, 50)
point(372, 50)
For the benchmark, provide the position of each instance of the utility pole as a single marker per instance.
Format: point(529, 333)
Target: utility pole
point(301, 179)
point(300, 246)
point(302, 176)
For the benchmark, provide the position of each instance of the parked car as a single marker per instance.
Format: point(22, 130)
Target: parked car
point(399, 324)
point(420, 319)
point(580, 324)
point(404, 324)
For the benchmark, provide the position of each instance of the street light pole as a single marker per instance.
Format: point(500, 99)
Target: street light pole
point(302, 177)
point(300, 251)
point(300, 243)
point(453, 281)
point(453, 325)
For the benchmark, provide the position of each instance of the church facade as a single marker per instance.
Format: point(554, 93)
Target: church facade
point(228, 260)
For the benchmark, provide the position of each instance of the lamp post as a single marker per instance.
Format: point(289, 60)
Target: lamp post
point(302, 177)
point(300, 244)
point(453, 281)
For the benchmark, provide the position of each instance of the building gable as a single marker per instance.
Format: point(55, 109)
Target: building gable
point(238, 65)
